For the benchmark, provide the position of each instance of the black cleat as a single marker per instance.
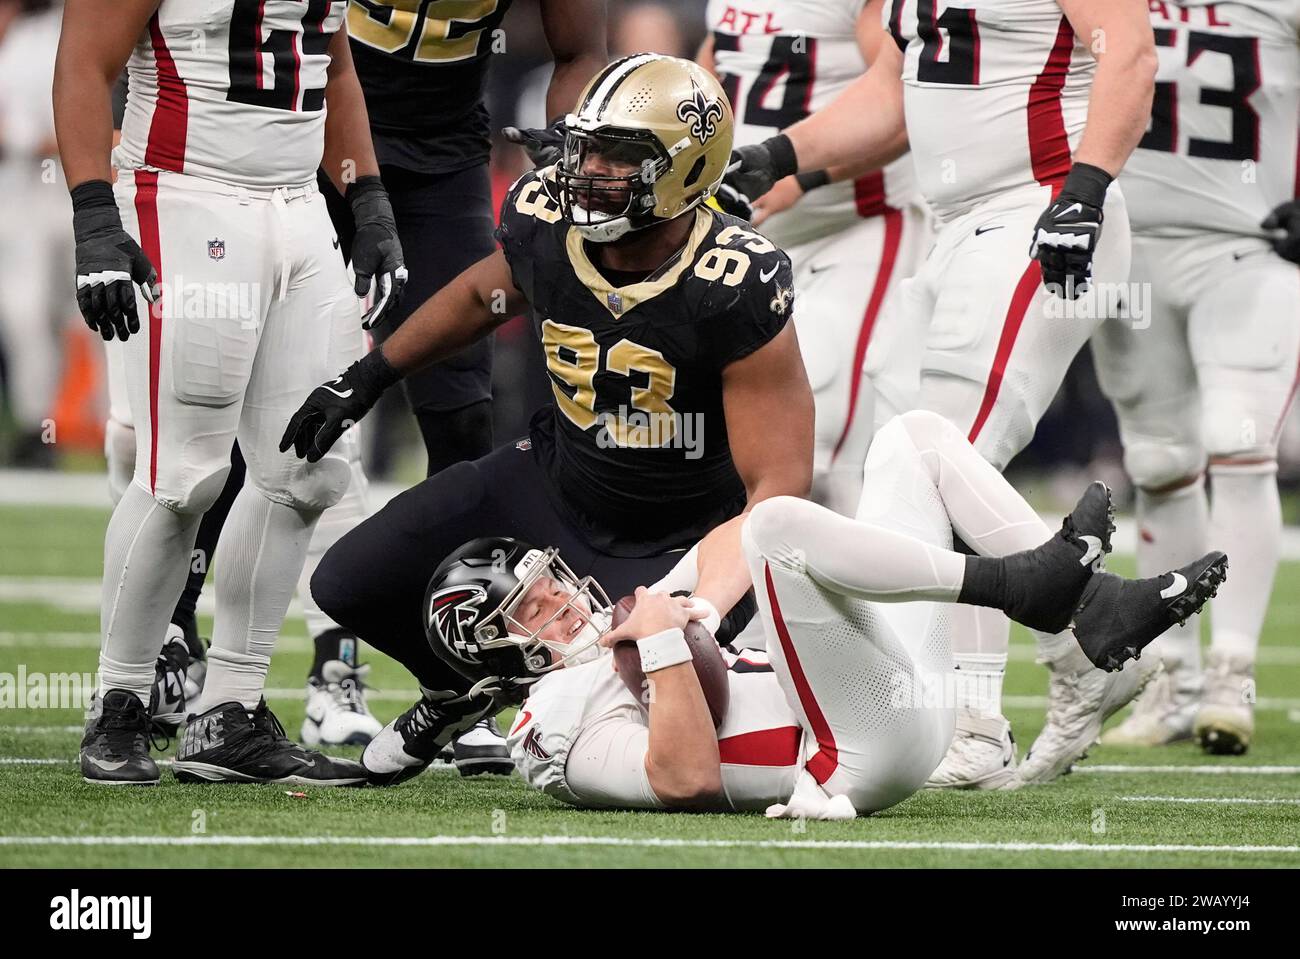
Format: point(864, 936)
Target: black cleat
point(411, 742)
point(1117, 618)
point(226, 744)
point(115, 749)
point(1043, 585)
point(481, 750)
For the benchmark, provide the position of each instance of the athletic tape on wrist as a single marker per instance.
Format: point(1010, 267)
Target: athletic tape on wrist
point(668, 648)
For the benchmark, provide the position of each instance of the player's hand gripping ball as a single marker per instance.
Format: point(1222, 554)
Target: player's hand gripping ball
point(710, 667)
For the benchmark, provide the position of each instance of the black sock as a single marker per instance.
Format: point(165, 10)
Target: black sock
point(334, 644)
point(985, 583)
point(205, 545)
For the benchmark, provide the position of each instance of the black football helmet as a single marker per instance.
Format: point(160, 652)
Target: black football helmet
point(470, 621)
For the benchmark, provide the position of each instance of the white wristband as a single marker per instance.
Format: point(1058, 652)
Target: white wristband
point(663, 650)
point(712, 618)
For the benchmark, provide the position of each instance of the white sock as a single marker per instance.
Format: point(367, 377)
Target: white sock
point(1172, 531)
point(146, 560)
point(258, 560)
point(335, 523)
point(1246, 523)
point(233, 678)
point(979, 681)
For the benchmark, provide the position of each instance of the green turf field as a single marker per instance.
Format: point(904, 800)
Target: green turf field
point(1115, 811)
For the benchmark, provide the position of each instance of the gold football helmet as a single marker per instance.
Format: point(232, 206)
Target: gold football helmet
point(650, 139)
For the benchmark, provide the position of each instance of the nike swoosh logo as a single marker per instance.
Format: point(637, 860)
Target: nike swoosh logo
point(107, 767)
point(340, 395)
point(986, 229)
point(1093, 552)
point(305, 762)
point(765, 277)
point(1073, 208)
point(1176, 588)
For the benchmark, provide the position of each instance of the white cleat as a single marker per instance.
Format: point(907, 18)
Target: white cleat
point(1163, 713)
point(1078, 704)
point(1225, 722)
point(337, 714)
point(982, 755)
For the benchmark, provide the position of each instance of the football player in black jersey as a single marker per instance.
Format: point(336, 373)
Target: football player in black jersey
point(680, 394)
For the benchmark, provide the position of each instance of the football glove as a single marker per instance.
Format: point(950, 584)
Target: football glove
point(376, 248)
point(335, 406)
point(109, 263)
point(1065, 236)
point(543, 145)
point(1286, 218)
point(754, 169)
point(729, 201)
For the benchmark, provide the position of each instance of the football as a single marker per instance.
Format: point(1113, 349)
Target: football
point(710, 667)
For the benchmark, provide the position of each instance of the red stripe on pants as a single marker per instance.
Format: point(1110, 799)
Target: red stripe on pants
point(1020, 301)
point(146, 212)
point(762, 747)
point(823, 764)
point(884, 272)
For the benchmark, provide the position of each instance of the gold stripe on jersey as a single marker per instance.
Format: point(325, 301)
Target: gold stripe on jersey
point(621, 299)
point(434, 18)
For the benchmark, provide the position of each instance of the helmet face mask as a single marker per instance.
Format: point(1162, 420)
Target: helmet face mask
point(481, 619)
point(607, 181)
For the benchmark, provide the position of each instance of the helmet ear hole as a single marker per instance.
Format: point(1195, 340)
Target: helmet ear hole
point(694, 175)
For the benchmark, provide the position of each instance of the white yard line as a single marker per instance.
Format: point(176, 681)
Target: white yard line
point(1216, 801)
point(1195, 770)
point(629, 842)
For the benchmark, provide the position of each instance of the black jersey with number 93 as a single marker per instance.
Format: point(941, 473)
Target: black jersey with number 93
point(636, 444)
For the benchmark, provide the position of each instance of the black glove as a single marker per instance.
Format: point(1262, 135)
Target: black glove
point(1286, 218)
point(732, 202)
point(109, 263)
point(544, 145)
point(376, 248)
point(1065, 236)
point(754, 169)
point(334, 406)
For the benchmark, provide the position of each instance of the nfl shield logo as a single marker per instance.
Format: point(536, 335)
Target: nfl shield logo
point(216, 249)
point(615, 302)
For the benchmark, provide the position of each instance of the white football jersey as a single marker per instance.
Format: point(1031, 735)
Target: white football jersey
point(995, 94)
point(779, 61)
point(1220, 151)
point(760, 742)
point(231, 90)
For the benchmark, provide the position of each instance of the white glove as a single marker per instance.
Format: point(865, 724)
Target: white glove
point(810, 801)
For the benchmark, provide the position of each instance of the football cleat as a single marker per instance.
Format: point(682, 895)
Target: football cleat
point(407, 745)
point(227, 744)
point(115, 749)
point(1163, 712)
point(982, 755)
point(337, 714)
point(1043, 585)
point(482, 750)
point(1225, 722)
point(1117, 618)
point(1078, 705)
point(169, 694)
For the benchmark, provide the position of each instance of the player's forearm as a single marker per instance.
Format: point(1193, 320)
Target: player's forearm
point(83, 120)
point(569, 78)
point(861, 129)
point(349, 151)
point(450, 320)
point(682, 762)
point(1119, 106)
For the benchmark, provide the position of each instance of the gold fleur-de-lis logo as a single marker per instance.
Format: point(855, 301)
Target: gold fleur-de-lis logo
point(781, 302)
point(702, 113)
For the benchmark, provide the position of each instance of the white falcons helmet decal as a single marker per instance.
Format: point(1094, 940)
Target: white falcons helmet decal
point(702, 113)
point(452, 612)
